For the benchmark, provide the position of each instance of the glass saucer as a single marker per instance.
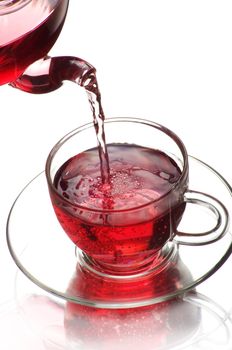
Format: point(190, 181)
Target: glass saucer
point(42, 251)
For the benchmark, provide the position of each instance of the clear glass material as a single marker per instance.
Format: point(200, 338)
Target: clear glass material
point(29, 29)
point(46, 256)
point(131, 239)
point(115, 236)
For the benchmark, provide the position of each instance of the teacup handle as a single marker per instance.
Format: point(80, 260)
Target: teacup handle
point(215, 207)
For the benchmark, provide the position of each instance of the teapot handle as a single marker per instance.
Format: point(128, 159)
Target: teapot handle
point(48, 74)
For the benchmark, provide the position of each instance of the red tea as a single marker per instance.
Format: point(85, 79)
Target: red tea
point(28, 34)
point(128, 218)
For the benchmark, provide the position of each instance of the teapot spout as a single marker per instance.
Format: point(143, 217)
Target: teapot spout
point(48, 74)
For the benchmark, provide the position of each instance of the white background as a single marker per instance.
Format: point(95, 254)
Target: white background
point(169, 61)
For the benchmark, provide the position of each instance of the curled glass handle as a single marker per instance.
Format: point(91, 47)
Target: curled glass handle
point(217, 209)
point(48, 74)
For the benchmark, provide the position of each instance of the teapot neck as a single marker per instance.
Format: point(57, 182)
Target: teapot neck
point(8, 6)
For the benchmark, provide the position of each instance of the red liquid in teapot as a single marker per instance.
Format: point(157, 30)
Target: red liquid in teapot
point(28, 34)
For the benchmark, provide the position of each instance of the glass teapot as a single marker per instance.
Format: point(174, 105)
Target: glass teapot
point(28, 30)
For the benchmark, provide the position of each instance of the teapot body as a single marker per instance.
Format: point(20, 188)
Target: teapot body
point(29, 29)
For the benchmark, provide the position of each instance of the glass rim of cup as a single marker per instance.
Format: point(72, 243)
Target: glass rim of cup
point(86, 126)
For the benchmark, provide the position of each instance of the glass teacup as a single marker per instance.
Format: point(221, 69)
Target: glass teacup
point(127, 226)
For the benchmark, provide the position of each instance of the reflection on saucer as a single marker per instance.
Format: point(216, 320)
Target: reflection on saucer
point(191, 321)
point(158, 326)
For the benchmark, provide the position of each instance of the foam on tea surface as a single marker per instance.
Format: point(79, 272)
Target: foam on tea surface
point(137, 176)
